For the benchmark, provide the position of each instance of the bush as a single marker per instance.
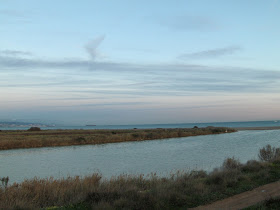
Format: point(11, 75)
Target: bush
point(269, 153)
point(223, 178)
point(252, 166)
point(198, 174)
point(34, 129)
point(231, 164)
point(80, 139)
point(5, 181)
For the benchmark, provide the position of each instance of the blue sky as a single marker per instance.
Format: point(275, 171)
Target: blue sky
point(127, 62)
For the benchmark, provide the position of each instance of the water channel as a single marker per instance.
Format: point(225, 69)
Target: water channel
point(160, 156)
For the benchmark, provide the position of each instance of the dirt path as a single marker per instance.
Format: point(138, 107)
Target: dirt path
point(246, 199)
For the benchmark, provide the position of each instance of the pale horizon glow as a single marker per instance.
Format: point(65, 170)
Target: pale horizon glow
point(139, 62)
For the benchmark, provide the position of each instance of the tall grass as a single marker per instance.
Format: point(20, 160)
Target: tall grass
point(51, 138)
point(179, 190)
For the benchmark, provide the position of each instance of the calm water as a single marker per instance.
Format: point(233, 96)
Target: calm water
point(161, 156)
point(183, 125)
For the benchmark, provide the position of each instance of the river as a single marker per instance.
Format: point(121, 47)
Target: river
point(160, 156)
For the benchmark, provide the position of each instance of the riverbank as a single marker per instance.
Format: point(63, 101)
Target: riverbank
point(257, 128)
point(52, 138)
point(180, 190)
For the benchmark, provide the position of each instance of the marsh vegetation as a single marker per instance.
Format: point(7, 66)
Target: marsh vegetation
point(33, 138)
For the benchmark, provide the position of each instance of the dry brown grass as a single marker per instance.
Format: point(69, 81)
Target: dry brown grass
point(39, 193)
point(51, 138)
point(179, 191)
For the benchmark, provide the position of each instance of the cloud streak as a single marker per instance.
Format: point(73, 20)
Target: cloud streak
point(14, 53)
point(92, 46)
point(14, 16)
point(188, 23)
point(134, 103)
point(90, 88)
point(213, 53)
point(126, 79)
point(13, 13)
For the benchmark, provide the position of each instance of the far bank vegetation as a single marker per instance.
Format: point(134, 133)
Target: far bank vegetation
point(34, 138)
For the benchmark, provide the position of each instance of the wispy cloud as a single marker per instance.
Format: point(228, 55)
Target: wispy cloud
point(110, 104)
point(185, 22)
point(127, 79)
point(14, 53)
point(212, 53)
point(14, 16)
point(19, 63)
point(82, 89)
point(13, 13)
point(139, 50)
point(92, 46)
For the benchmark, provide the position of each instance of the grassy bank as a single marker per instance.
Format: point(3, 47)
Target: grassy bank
point(179, 191)
point(52, 138)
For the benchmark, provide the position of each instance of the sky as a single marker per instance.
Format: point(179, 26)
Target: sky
point(139, 62)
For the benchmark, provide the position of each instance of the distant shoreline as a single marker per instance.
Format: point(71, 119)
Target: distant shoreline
point(12, 139)
point(258, 128)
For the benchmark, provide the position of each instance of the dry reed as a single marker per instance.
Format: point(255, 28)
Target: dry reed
point(52, 138)
point(180, 190)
